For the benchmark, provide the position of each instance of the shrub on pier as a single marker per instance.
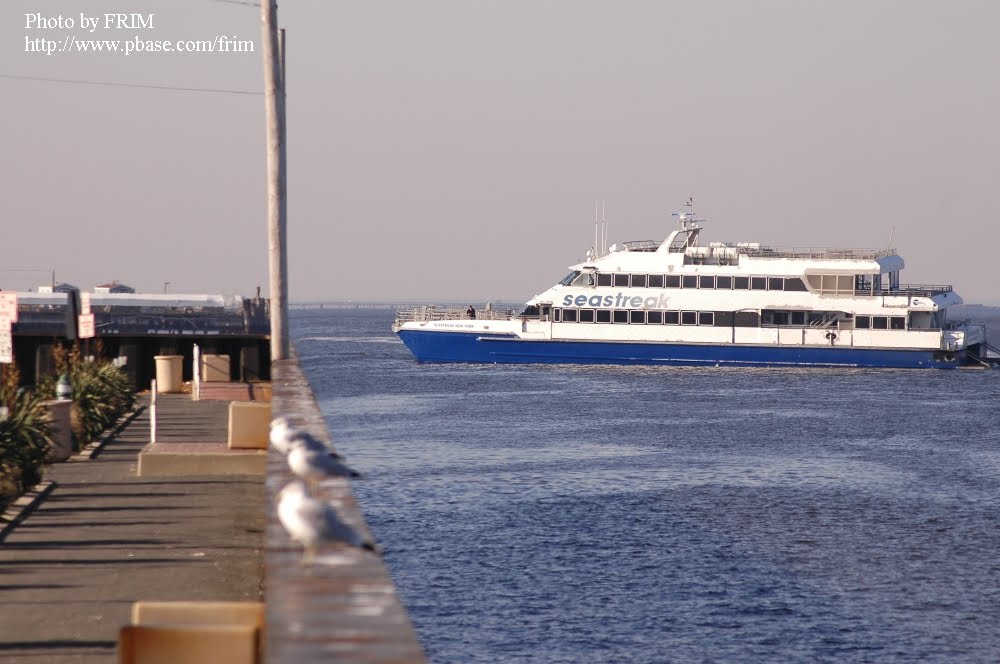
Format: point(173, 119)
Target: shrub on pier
point(101, 392)
point(24, 436)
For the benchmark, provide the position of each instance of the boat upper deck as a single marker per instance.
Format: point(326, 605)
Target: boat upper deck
point(823, 253)
point(756, 250)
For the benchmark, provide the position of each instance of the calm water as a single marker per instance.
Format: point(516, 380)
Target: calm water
point(607, 514)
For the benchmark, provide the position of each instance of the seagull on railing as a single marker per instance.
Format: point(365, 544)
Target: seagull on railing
point(315, 465)
point(283, 437)
point(313, 522)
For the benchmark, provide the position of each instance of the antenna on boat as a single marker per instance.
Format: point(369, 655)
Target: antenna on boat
point(689, 225)
point(891, 234)
point(597, 230)
point(604, 230)
point(686, 218)
point(600, 229)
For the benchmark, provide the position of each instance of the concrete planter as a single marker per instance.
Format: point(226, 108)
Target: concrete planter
point(214, 368)
point(62, 432)
point(168, 373)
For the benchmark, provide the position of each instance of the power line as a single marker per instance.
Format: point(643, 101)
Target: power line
point(239, 2)
point(128, 85)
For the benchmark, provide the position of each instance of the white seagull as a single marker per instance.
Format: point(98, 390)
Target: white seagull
point(314, 465)
point(283, 437)
point(313, 522)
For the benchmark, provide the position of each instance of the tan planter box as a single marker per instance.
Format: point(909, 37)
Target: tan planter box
point(191, 644)
point(185, 459)
point(249, 424)
point(169, 374)
point(198, 613)
point(215, 368)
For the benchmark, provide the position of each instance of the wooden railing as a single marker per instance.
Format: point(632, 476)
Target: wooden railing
point(343, 612)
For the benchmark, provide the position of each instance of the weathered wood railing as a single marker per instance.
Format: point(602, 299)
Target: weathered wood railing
point(345, 611)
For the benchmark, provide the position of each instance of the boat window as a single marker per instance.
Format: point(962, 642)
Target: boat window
point(798, 317)
point(724, 282)
point(603, 315)
point(706, 318)
point(569, 315)
point(767, 318)
point(672, 317)
point(831, 284)
point(586, 315)
point(741, 283)
point(529, 311)
point(557, 315)
point(880, 323)
point(604, 279)
point(585, 279)
point(656, 281)
point(758, 283)
point(568, 279)
point(621, 280)
point(690, 281)
point(620, 316)
point(897, 323)
point(775, 283)
point(746, 319)
point(781, 318)
point(794, 284)
point(672, 281)
point(654, 317)
point(638, 281)
point(706, 282)
point(637, 317)
point(862, 322)
point(689, 318)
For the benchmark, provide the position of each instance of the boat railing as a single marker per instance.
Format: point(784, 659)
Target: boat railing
point(641, 245)
point(751, 249)
point(423, 314)
point(914, 290)
point(816, 252)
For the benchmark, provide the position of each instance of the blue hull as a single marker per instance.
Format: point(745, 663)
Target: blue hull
point(476, 347)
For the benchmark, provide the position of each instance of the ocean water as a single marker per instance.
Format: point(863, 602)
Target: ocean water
point(631, 514)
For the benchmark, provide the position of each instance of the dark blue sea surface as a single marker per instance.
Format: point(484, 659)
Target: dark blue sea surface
point(648, 514)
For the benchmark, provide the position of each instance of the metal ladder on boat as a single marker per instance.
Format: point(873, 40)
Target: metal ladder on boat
point(987, 362)
point(827, 321)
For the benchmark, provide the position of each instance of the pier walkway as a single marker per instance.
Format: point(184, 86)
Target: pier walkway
point(104, 538)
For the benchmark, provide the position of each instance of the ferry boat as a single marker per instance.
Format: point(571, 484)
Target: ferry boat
point(681, 302)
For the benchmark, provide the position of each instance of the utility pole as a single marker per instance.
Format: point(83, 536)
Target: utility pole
point(283, 213)
point(277, 206)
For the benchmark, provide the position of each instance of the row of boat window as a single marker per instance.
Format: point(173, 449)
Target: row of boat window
point(880, 322)
point(710, 281)
point(768, 318)
point(634, 316)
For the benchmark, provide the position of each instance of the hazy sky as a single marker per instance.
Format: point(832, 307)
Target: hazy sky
point(454, 150)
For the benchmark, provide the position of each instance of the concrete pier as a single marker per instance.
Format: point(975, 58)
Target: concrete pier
point(104, 538)
point(101, 538)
